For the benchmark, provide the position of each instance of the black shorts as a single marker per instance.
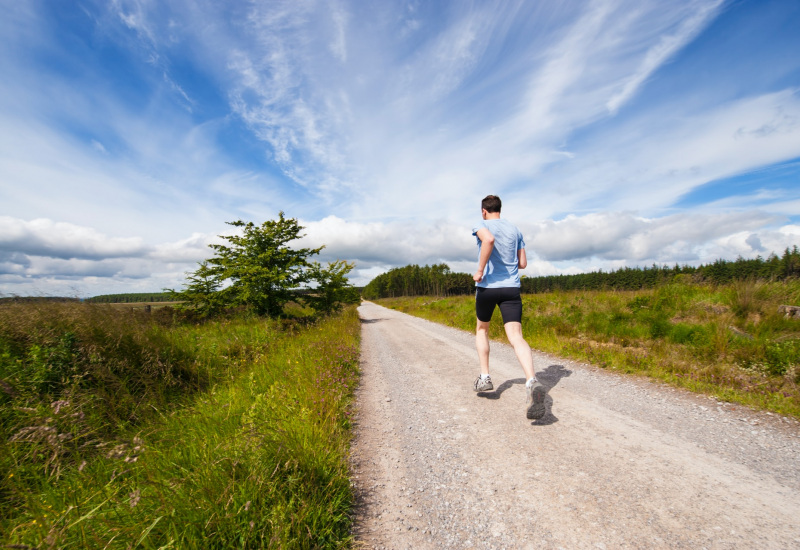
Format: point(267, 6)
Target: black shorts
point(507, 298)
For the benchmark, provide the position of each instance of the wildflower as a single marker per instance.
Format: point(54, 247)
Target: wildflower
point(117, 452)
point(135, 497)
point(57, 405)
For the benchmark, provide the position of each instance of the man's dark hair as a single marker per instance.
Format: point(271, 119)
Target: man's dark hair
point(491, 203)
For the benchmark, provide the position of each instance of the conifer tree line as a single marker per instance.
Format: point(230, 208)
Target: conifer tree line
point(413, 280)
point(132, 298)
point(438, 280)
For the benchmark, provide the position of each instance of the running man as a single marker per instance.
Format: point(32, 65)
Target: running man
point(501, 255)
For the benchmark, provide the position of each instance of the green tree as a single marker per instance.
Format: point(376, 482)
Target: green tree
point(201, 291)
point(332, 287)
point(260, 268)
point(256, 269)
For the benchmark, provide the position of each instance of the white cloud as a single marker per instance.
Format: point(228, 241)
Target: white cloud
point(396, 243)
point(338, 43)
point(635, 239)
point(133, 14)
point(607, 239)
point(192, 249)
point(39, 253)
point(431, 149)
point(577, 243)
point(42, 237)
point(783, 203)
point(99, 146)
point(153, 178)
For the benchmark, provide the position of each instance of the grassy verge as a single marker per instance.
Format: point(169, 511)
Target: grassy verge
point(727, 341)
point(120, 432)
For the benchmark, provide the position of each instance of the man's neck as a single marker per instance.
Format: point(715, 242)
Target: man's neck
point(492, 216)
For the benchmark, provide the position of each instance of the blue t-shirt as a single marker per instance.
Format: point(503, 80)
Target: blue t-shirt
point(502, 268)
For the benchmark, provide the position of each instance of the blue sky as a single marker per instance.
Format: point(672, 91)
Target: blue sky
point(617, 133)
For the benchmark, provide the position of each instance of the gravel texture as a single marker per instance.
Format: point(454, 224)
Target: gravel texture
point(617, 462)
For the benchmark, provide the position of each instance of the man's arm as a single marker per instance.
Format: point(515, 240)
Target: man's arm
point(487, 245)
point(522, 259)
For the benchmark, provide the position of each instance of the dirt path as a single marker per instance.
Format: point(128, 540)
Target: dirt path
point(617, 462)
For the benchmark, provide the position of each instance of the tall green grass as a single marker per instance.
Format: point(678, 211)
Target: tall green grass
point(728, 341)
point(228, 434)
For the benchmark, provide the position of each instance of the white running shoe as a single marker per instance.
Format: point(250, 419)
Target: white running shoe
point(483, 384)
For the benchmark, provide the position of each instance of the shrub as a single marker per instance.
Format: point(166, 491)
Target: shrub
point(782, 356)
point(743, 297)
point(689, 334)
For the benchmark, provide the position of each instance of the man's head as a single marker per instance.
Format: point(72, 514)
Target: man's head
point(491, 203)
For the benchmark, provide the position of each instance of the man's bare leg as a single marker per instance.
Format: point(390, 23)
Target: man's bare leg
point(483, 382)
point(521, 348)
point(482, 344)
point(534, 391)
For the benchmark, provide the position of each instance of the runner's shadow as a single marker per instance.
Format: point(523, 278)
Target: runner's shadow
point(370, 321)
point(548, 377)
point(495, 393)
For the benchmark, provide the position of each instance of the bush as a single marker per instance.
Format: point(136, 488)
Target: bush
point(780, 357)
point(689, 334)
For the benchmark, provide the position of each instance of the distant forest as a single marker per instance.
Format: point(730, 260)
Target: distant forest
point(438, 280)
point(133, 297)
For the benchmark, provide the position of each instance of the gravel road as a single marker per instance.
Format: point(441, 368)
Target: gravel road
point(617, 462)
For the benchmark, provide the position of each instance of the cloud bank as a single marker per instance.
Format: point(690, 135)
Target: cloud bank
point(617, 132)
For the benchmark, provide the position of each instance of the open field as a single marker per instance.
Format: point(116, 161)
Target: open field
point(120, 429)
point(728, 341)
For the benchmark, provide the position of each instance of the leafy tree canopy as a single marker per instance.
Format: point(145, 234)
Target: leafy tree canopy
point(258, 269)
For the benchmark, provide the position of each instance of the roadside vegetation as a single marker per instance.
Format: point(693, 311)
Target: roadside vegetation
point(219, 422)
point(727, 340)
point(120, 430)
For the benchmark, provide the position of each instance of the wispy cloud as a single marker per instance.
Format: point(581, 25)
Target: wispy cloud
point(147, 125)
point(688, 28)
point(649, 162)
